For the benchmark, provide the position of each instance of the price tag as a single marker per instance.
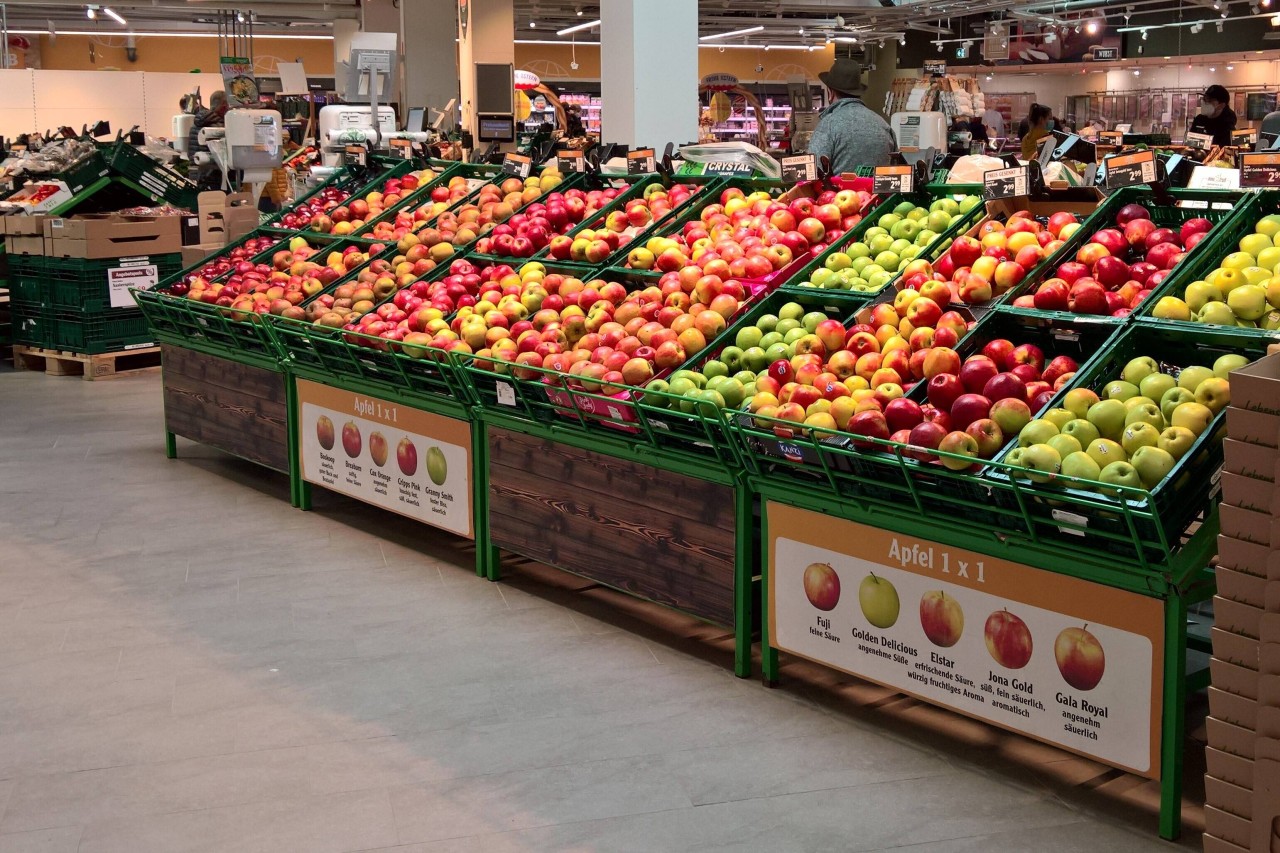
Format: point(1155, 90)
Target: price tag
point(1127, 170)
point(1210, 178)
point(122, 279)
point(358, 154)
point(892, 179)
point(1006, 183)
point(402, 147)
point(935, 67)
point(723, 167)
point(801, 167)
point(506, 394)
point(641, 162)
point(1259, 169)
point(571, 161)
point(1199, 141)
point(517, 164)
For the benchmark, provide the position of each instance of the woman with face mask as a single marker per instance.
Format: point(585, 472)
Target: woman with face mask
point(1038, 128)
point(1215, 118)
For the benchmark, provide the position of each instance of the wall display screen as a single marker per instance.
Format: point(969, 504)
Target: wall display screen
point(495, 89)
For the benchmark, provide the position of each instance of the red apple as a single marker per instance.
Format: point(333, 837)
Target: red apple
point(1008, 640)
point(969, 408)
point(941, 618)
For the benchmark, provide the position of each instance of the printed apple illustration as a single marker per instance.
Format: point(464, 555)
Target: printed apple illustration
point(1008, 639)
point(1080, 658)
point(822, 586)
point(324, 432)
point(407, 457)
point(879, 600)
point(378, 448)
point(941, 618)
point(437, 468)
point(351, 441)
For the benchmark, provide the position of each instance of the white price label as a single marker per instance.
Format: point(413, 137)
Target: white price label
point(121, 279)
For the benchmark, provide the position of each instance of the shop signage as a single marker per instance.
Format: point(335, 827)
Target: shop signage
point(892, 179)
point(1199, 141)
point(726, 168)
point(402, 147)
point(1006, 183)
point(800, 167)
point(569, 161)
point(517, 164)
point(1126, 170)
point(526, 79)
point(719, 82)
point(1053, 657)
point(935, 67)
point(358, 155)
point(1104, 54)
point(237, 80)
point(387, 454)
point(1259, 169)
point(131, 274)
point(1213, 178)
point(641, 162)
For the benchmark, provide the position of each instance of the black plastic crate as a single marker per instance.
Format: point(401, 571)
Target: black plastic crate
point(31, 325)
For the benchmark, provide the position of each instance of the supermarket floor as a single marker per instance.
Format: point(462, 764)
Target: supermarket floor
point(189, 664)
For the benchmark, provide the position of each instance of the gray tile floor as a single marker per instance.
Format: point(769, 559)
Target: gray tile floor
point(188, 664)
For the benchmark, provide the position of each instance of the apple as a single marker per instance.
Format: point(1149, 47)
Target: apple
point(879, 601)
point(967, 409)
point(944, 389)
point(378, 448)
point(1011, 415)
point(407, 457)
point(1079, 657)
point(1008, 640)
point(822, 586)
point(351, 440)
point(324, 432)
point(1004, 386)
point(989, 436)
point(960, 444)
point(941, 618)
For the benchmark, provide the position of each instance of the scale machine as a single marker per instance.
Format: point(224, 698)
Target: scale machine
point(250, 143)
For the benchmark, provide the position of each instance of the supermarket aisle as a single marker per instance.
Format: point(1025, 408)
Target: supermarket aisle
point(188, 664)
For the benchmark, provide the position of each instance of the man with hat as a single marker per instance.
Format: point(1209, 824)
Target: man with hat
point(1216, 118)
point(849, 133)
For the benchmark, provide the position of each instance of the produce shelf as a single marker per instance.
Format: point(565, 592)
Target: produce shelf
point(355, 181)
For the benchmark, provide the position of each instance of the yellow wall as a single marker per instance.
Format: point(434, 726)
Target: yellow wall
point(552, 62)
point(156, 53)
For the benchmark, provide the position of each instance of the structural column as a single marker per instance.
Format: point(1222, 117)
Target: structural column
point(486, 35)
point(649, 72)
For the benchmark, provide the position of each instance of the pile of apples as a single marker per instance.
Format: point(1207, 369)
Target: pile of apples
point(1243, 291)
point(1134, 432)
point(440, 199)
point(533, 228)
point(352, 216)
point(1118, 267)
point(752, 236)
point(604, 236)
point(237, 260)
point(983, 266)
point(888, 247)
point(321, 203)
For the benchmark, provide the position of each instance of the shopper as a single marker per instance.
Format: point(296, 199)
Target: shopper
point(1038, 128)
point(1216, 118)
point(994, 123)
point(849, 133)
point(1025, 124)
point(978, 129)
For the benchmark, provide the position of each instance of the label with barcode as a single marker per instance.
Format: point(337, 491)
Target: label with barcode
point(1259, 169)
point(892, 179)
point(1127, 170)
point(517, 164)
point(800, 167)
point(358, 154)
point(571, 161)
point(1199, 141)
point(1006, 183)
point(641, 162)
point(506, 394)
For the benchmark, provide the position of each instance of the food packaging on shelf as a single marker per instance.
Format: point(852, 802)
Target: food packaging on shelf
point(1249, 557)
point(112, 236)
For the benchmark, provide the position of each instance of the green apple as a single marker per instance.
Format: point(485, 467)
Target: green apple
point(1271, 322)
point(1120, 474)
point(969, 202)
point(838, 261)
point(820, 277)
point(1148, 413)
point(1173, 398)
point(791, 311)
point(681, 386)
point(1139, 435)
point(1215, 393)
point(1254, 244)
point(1079, 400)
point(1081, 466)
point(1043, 460)
point(1065, 445)
point(1269, 225)
point(1082, 431)
point(938, 221)
point(755, 359)
point(879, 601)
point(733, 392)
point(1191, 377)
point(1138, 369)
point(1134, 402)
point(699, 380)
point(1248, 302)
point(777, 351)
point(1059, 417)
point(794, 335)
point(1176, 441)
point(785, 325)
point(1120, 390)
point(858, 250)
point(766, 323)
point(719, 368)
point(1227, 363)
point(1200, 294)
point(1217, 314)
point(748, 336)
point(811, 320)
point(1108, 416)
point(1154, 385)
point(1037, 432)
point(1104, 451)
point(1152, 465)
point(1194, 416)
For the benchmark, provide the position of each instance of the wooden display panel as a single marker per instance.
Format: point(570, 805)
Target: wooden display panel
point(658, 535)
point(227, 405)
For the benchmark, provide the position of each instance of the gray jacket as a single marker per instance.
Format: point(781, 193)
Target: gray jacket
point(850, 134)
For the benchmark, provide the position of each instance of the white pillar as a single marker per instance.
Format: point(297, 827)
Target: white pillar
point(649, 72)
point(429, 53)
point(489, 39)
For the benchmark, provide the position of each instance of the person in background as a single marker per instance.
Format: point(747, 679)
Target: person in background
point(994, 123)
point(959, 124)
point(215, 116)
point(978, 127)
point(1039, 127)
point(849, 133)
point(1216, 118)
point(573, 121)
point(1025, 124)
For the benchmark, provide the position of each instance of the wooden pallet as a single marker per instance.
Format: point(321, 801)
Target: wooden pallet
point(99, 366)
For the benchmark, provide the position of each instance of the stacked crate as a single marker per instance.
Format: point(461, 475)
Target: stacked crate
point(1242, 786)
point(28, 302)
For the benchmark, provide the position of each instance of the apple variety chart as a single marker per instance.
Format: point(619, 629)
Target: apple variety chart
point(387, 454)
point(1057, 658)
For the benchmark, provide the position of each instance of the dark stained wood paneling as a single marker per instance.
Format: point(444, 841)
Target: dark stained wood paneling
point(227, 405)
point(661, 536)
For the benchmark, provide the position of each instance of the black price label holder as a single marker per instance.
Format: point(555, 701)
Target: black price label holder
point(403, 148)
point(641, 162)
point(570, 161)
point(358, 155)
point(1010, 182)
point(1131, 169)
point(517, 164)
point(1199, 141)
point(887, 180)
point(1260, 169)
point(799, 168)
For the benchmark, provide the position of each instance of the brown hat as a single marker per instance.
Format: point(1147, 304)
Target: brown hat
point(845, 76)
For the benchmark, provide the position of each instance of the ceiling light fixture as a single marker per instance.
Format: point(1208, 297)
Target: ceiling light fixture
point(577, 28)
point(1218, 26)
point(112, 14)
point(240, 17)
point(533, 25)
point(578, 12)
point(902, 40)
point(1091, 27)
point(91, 12)
point(1144, 35)
point(732, 33)
point(1231, 68)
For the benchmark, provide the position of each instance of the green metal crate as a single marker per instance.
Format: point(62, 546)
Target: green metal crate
point(89, 334)
point(80, 284)
point(1219, 206)
point(355, 181)
point(476, 173)
point(155, 177)
point(32, 325)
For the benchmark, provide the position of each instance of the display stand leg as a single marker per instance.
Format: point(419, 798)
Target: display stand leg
point(170, 445)
point(487, 557)
point(1174, 718)
point(744, 571)
point(299, 492)
point(768, 654)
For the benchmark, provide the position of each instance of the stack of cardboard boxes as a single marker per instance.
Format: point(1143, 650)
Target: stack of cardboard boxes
point(222, 219)
point(1242, 786)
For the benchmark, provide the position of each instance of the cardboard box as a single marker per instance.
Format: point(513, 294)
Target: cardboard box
point(24, 233)
point(192, 255)
point(1229, 768)
point(1240, 555)
point(1233, 708)
point(1266, 808)
point(1257, 386)
point(1077, 200)
point(1252, 426)
point(224, 217)
point(1260, 496)
point(1235, 648)
point(1233, 679)
point(1217, 845)
point(1251, 460)
point(1221, 794)
point(1251, 526)
point(1241, 587)
point(112, 236)
point(1229, 737)
point(1228, 827)
point(1237, 618)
